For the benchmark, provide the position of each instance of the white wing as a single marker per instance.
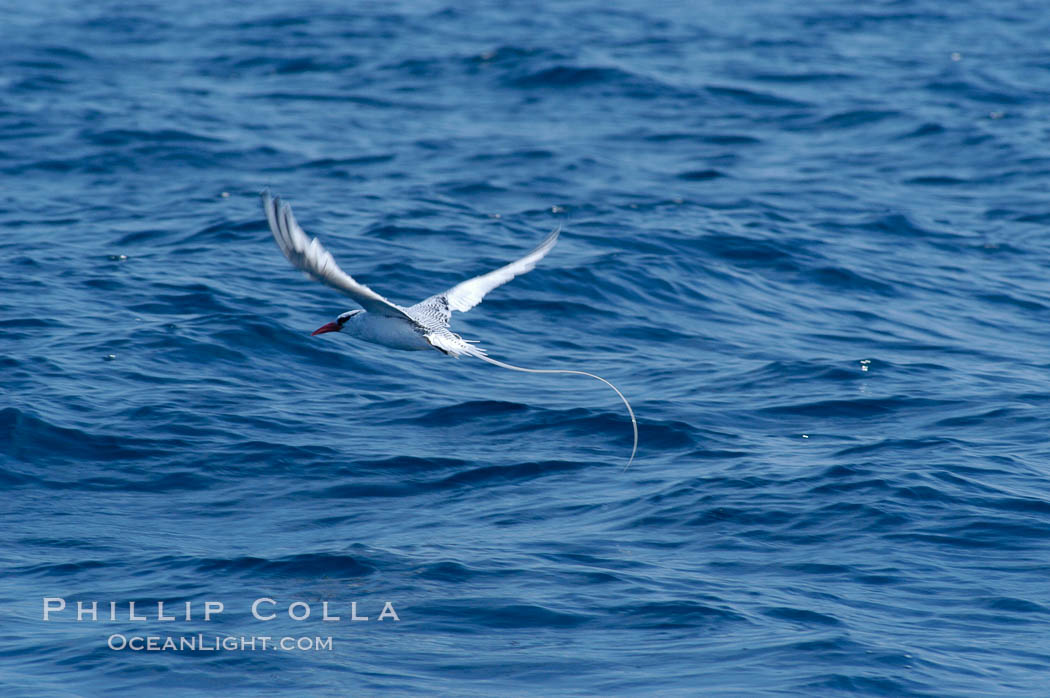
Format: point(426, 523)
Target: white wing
point(309, 256)
point(466, 295)
point(463, 296)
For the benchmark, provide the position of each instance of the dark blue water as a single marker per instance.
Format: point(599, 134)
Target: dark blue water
point(809, 241)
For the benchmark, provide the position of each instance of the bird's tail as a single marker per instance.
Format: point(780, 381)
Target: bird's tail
point(634, 422)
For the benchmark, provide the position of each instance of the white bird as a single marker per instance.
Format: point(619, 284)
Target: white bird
point(424, 325)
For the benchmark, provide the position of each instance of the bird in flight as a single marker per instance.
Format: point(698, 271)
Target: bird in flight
point(422, 326)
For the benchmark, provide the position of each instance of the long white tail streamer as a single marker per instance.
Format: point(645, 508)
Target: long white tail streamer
point(634, 422)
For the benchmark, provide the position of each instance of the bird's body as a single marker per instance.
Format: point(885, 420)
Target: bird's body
point(391, 332)
point(424, 325)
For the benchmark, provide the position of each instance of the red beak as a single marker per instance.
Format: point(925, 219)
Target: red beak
point(330, 327)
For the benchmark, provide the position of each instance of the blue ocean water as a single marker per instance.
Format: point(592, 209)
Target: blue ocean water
point(809, 241)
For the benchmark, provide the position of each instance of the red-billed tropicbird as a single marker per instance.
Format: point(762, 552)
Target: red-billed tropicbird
point(424, 325)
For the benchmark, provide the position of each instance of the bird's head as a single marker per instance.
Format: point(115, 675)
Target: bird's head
point(338, 324)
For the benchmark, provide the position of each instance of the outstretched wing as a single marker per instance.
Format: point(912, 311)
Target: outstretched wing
point(309, 256)
point(464, 296)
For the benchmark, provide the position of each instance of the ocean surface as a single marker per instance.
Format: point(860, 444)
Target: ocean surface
point(809, 241)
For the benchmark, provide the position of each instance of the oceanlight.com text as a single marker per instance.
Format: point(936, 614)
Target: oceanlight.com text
point(216, 643)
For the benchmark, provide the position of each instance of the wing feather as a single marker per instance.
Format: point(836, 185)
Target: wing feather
point(467, 294)
point(311, 257)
